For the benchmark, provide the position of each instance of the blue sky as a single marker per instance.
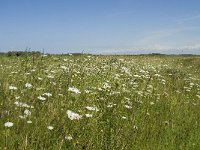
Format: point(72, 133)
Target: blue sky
point(103, 26)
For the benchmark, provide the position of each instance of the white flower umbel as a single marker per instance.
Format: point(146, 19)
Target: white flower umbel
point(68, 137)
point(8, 124)
point(29, 121)
point(127, 106)
point(73, 116)
point(63, 67)
point(106, 86)
point(123, 117)
point(88, 115)
point(39, 78)
point(41, 98)
point(12, 88)
point(74, 90)
point(22, 117)
point(27, 112)
point(94, 108)
point(152, 103)
point(28, 85)
point(50, 127)
point(17, 97)
point(20, 104)
point(47, 94)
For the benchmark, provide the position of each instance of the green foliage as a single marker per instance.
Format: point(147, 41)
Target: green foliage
point(22, 53)
point(124, 102)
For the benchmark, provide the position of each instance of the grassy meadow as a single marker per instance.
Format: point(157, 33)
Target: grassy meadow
point(58, 102)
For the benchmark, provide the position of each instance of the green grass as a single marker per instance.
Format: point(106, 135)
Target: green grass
point(144, 102)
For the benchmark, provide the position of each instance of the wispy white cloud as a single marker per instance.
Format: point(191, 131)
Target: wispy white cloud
point(187, 19)
point(169, 40)
point(156, 48)
point(161, 34)
point(192, 47)
point(161, 41)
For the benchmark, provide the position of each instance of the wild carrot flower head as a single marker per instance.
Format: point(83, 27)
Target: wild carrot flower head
point(28, 85)
point(8, 124)
point(74, 90)
point(50, 127)
point(12, 88)
point(41, 98)
point(73, 116)
point(93, 108)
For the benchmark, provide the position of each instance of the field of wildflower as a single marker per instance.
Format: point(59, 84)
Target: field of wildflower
point(99, 102)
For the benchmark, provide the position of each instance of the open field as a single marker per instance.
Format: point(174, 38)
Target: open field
point(100, 102)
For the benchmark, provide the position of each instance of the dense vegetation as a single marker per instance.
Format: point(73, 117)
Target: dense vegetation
point(20, 53)
point(100, 102)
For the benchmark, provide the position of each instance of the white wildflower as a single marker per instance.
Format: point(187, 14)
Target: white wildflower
point(68, 137)
point(137, 76)
point(100, 89)
point(40, 78)
point(74, 90)
point(157, 75)
point(127, 106)
point(73, 116)
point(94, 108)
point(29, 121)
point(27, 112)
point(191, 84)
point(150, 86)
point(63, 67)
point(106, 86)
point(87, 91)
point(47, 94)
point(50, 127)
point(8, 124)
point(124, 69)
point(52, 71)
point(41, 98)
point(22, 117)
point(12, 88)
point(28, 85)
point(152, 103)
point(54, 83)
point(17, 97)
point(110, 106)
point(50, 76)
point(88, 115)
point(20, 104)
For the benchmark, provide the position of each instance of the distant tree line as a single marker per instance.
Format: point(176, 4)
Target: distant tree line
point(20, 53)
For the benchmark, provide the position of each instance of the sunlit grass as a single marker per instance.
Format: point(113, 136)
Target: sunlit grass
point(99, 102)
